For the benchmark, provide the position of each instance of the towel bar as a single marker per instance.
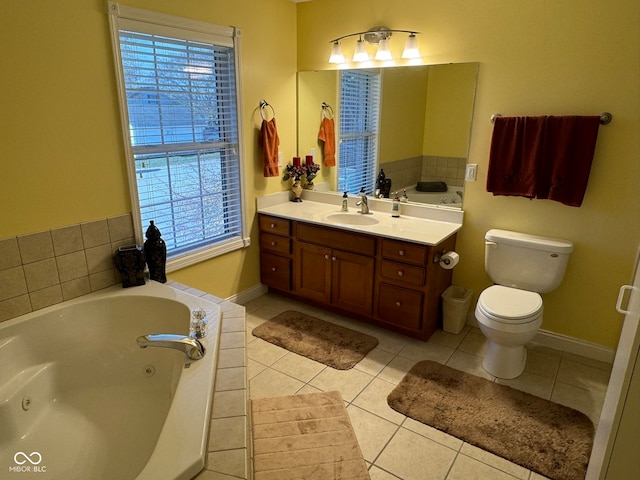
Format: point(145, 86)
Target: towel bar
point(605, 118)
point(263, 105)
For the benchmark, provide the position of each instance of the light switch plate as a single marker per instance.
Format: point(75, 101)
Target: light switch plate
point(471, 172)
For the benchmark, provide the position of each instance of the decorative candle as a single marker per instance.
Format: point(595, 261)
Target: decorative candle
point(309, 159)
point(296, 161)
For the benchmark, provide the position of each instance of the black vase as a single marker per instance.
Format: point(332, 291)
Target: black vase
point(129, 261)
point(155, 252)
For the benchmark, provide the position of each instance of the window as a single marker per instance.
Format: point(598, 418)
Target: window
point(359, 123)
point(177, 80)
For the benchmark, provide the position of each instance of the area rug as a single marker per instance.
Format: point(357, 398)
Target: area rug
point(334, 345)
point(306, 437)
point(550, 439)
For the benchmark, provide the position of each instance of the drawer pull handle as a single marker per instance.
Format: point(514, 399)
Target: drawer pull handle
point(398, 304)
point(333, 259)
point(273, 269)
point(401, 252)
point(273, 244)
point(326, 257)
point(273, 225)
point(400, 273)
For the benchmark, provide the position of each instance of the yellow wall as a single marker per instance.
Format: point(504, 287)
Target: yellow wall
point(62, 156)
point(402, 113)
point(449, 112)
point(536, 58)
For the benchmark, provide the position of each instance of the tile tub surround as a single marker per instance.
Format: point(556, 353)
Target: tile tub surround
point(229, 444)
point(41, 269)
point(397, 447)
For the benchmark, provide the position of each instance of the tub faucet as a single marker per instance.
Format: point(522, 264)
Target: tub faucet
point(192, 348)
point(363, 203)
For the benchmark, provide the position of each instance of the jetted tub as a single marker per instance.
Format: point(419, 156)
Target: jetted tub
point(449, 198)
point(80, 400)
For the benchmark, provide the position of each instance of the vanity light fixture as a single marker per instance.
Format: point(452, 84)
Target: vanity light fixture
point(377, 36)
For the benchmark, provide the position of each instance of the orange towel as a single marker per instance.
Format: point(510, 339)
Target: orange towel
point(270, 141)
point(327, 135)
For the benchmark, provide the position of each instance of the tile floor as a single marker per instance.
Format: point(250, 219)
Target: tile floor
point(397, 447)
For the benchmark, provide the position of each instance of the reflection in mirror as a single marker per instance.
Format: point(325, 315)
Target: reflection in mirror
point(423, 133)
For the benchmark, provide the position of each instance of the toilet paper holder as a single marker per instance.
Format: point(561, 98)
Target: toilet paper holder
point(438, 256)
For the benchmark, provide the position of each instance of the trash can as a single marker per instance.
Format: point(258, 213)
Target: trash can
point(455, 305)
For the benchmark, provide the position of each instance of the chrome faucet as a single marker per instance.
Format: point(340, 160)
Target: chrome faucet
point(192, 348)
point(363, 203)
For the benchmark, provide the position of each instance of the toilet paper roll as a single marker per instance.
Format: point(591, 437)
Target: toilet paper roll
point(449, 260)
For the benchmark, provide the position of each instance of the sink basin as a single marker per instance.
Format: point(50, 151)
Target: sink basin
point(351, 219)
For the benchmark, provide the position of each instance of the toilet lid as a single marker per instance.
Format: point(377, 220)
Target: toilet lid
point(508, 304)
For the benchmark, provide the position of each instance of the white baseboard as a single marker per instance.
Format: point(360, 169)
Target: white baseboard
point(576, 346)
point(249, 294)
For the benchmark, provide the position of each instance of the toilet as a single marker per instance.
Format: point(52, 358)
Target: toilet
point(509, 313)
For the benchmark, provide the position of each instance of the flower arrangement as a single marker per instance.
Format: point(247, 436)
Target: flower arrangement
point(312, 170)
point(296, 172)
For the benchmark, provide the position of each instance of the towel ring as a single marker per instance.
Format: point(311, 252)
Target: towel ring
point(327, 111)
point(263, 107)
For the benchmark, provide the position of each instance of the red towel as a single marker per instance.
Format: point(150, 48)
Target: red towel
point(542, 157)
point(328, 135)
point(569, 145)
point(270, 142)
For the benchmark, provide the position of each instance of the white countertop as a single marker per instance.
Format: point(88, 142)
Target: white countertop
point(417, 223)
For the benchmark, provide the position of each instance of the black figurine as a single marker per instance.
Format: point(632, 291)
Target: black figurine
point(155, 251)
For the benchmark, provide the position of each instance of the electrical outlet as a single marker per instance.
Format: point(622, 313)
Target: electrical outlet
point(279, 159)
point(471, 172)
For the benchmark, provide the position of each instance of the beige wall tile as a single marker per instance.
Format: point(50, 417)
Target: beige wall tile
point(35, 247)
point(14, 307)
point(67, 239)
point(13, 283)
point(95, 233)
point(76, 288)
point(42, 274)
point(9, 253)
point(102, 280)
point(72, 266)
point(99, 258)
point(120, 227)
point(46, 297)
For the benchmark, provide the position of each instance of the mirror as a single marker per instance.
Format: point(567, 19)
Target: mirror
point(425, 124)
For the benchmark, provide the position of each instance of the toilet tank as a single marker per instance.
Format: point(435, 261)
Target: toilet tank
point(524, 261)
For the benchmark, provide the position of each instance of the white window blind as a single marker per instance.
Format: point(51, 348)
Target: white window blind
point(358, 132)
point(181, 108)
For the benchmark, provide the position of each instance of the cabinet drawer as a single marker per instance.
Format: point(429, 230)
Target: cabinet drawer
point(335, 238)
point(275, 225)
point(404, 252)
point(401, 272)
point(275, 243)
point(399, 306)
point(275, 271)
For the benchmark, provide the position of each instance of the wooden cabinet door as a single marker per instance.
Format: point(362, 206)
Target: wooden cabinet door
point(313, 272)
point(352, 282)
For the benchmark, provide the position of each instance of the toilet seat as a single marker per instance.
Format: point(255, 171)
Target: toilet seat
point(510, 305)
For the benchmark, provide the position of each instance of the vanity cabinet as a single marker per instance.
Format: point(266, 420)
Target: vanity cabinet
point(275, 252)
point(409, 284)
point(334, 267)
point(387, 282)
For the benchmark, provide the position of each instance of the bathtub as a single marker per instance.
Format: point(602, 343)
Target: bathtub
point(80, 400)
point(448, 199)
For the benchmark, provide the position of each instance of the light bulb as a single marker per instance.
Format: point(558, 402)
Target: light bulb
point(411, 48)
point(360, 54)
point(383, 53)
point(336, 53)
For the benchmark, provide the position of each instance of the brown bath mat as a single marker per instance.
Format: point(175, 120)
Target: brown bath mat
point(336, 346)
point(535, 433)
point(305, 437)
